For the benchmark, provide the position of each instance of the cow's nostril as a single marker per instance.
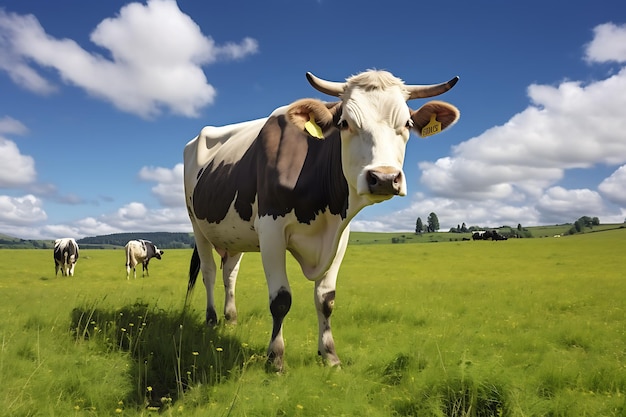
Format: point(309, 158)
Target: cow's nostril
point(372, 178)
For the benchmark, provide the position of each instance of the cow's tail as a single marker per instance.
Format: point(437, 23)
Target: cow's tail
point(194, 270)
point(127, 249)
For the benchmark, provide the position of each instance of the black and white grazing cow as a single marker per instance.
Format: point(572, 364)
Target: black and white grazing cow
point(65, 256)
point(140, 252)
point(294, 180)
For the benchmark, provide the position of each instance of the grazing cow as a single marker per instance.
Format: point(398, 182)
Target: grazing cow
point(480, 235)
point(294, 180)
point(140, 252)
point(65, 256)
point(497, 236)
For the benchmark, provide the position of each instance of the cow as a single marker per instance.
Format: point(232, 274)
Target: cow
point(65, 256)
point(140, 252)
point(293, 181)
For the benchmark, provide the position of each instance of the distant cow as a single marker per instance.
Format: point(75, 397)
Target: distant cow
point(140, 252)
point(488, 234)
point(478, 235)
point(65, 256)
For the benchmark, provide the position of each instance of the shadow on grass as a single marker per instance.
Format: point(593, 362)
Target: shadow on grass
point(170, 350)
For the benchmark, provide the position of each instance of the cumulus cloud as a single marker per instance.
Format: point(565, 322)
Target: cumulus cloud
point(9, 125)
point(169, 189)
point(137, 217)
point(156, 58)
point(20, 211)
point(559, 203)
point(614, 187)
point(569, 126)
point(16, 169)
point(608, 44)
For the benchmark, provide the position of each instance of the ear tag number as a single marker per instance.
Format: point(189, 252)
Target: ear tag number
point(313, 128)
point(433, 127)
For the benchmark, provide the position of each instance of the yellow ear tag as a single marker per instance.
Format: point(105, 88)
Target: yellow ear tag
point(433, 127)
point(313, 128)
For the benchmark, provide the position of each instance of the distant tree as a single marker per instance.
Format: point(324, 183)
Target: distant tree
point(464, 228)
point(432, 222)
point(419, 227)
point(519, 227)
point(595, 221)
point(579, 225)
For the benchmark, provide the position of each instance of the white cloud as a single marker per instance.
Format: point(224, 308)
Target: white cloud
point(170, 189)
point(157, 53)
point(608, 44)
point(20, 211)
point(16, 170)
point(9, 125)
point(559, 203)
point(136, 217)
point(614, 187)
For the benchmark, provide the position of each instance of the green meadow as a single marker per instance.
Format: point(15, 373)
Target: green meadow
point(524, 327)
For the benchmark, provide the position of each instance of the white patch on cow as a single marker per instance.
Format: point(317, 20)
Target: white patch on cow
point(376, 137)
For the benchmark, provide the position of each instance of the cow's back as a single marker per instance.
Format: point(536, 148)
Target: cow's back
point(135, 253)
point(209, 159)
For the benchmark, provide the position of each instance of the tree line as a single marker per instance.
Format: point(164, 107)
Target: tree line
point(163, 240)
point(432, 225)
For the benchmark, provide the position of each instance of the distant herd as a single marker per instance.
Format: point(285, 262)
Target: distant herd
point(137, 252)
point(140, 251)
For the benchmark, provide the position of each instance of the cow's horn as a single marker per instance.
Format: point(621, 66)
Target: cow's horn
point(331, 88)
point(423, 91)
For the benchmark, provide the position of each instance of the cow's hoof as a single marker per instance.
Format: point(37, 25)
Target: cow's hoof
point(275, 364)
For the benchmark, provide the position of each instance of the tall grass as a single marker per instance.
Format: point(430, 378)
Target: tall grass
point(524, 327)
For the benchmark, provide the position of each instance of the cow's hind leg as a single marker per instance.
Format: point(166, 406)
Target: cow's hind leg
point(229, 274)
point(204, 252)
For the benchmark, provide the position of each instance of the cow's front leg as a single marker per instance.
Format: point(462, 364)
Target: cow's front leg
point(229, 274)
point(273, 249)
point(324, 304)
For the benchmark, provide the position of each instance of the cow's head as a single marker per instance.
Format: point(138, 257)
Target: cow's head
point(375, 124)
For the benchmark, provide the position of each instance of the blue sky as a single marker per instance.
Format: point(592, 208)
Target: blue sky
point(98, 99)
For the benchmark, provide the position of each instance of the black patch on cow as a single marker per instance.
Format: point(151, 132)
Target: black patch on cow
point(279, 307)
point(211, 317)
point(286, 167)
point(328, 303)
point(58, 253)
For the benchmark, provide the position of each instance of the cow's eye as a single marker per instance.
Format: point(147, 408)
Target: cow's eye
point(343, 125)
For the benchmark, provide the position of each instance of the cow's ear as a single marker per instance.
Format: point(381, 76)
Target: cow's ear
point(433, 117)
point(311, 115)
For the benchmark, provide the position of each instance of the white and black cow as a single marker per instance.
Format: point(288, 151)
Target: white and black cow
point(140, 252)
point(65, 256)
point(294, 180)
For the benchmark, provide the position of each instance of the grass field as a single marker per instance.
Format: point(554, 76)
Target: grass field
point(524, 327)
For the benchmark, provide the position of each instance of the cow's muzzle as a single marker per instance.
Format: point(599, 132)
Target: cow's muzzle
point(384, 181)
